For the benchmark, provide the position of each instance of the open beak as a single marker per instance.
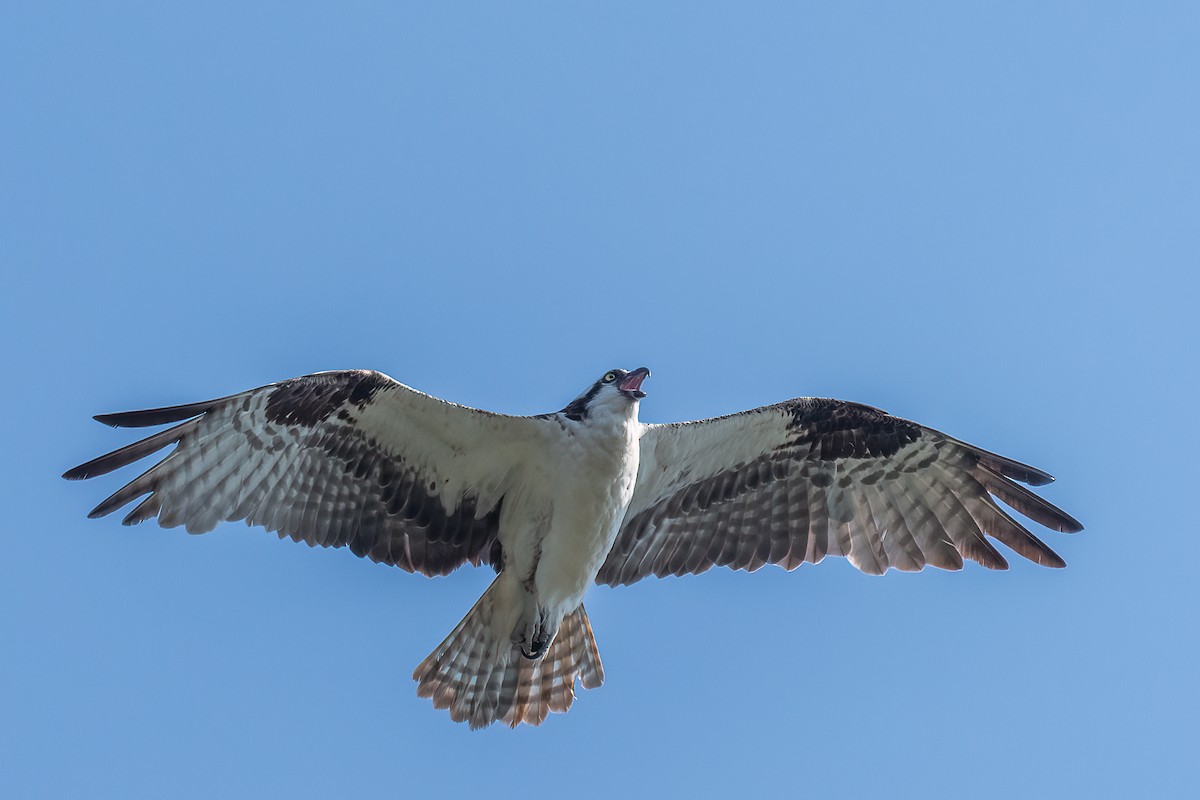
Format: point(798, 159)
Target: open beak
point(631, 384)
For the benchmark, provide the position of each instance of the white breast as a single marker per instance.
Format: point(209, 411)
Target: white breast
point(593, 474)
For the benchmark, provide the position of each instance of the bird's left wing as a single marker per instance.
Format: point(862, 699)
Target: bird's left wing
point(811, 477)
point(337, 458)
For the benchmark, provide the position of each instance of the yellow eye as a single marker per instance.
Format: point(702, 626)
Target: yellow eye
point(609, 377)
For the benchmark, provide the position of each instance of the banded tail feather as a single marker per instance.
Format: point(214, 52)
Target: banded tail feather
point(482, 679)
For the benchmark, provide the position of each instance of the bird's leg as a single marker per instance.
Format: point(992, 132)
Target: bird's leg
point(534, 637)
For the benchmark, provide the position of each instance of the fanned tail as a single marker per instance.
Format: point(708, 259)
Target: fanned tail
point(482, 681)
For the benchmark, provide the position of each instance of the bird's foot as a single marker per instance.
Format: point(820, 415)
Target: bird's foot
point(538, 647)
point(534, 641)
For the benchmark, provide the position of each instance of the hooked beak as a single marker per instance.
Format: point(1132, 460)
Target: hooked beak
point(631, 384)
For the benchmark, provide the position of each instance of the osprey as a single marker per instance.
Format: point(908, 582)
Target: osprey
point(556, 501)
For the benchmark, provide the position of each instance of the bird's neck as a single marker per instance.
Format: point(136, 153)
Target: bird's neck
point(611, 418)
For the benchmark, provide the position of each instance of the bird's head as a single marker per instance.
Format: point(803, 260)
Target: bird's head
point(616, 392)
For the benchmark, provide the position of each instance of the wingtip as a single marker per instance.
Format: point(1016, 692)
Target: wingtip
point(151, 417)
point(82, 472)
point(1041, 479)
point(1049, 558)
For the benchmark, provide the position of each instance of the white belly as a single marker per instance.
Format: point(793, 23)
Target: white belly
point(591, 486)
point(581, 534)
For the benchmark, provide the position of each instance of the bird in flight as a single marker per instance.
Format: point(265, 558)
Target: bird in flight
point(553, 502)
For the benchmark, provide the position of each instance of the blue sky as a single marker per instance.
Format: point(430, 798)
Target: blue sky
point(983, 219)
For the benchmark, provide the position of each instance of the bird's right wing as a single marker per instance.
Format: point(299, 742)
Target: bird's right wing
point(347, 458)
point(811, 477)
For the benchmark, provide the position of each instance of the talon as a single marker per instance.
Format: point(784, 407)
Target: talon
point(541, 643)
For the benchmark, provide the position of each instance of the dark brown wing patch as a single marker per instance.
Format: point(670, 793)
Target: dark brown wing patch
point(833, 429)
point(311, 399)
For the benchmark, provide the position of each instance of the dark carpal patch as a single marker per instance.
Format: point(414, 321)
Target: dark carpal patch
point(312, 399)
point(835, 429)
